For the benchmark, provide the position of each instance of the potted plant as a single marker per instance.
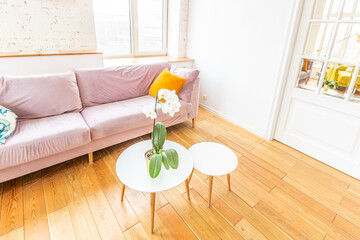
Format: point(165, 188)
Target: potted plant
point(157, 156)
point(330, 84)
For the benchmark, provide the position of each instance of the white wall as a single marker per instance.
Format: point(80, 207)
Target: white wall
point(38, 26)
point(238, 47)
point(48, 64)
point(177, 27)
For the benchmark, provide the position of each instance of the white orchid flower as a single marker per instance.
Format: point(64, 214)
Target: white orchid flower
point(164, 94)
point(174, 108)
point(172, 93)
point(168, 101)
point(149, 112)
point(161, 94)
point(165, 107)
point(173, 99)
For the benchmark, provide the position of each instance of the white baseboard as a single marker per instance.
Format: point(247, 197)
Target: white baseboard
point(238, 123)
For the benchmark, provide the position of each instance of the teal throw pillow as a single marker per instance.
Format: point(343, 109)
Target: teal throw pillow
point(7, 123)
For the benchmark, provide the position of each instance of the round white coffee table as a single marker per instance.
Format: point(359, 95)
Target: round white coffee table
point(131, 169)
point(213, 159)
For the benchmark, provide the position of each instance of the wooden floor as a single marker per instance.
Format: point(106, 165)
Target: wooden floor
point(277, 193)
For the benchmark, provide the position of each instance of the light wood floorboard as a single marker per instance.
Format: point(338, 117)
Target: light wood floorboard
point(277, 193)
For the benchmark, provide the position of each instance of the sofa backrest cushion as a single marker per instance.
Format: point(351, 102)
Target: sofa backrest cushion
point(191, 76)
point(110, 84)
point(37, 96)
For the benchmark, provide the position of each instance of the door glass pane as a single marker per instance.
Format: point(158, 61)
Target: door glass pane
point(326, 9)
point(309, 74)
point(150, 25)
point(112, 26)
point(356, 93)
point(347, 42)
point(318, 39)
point(337, 79)
point(351, 10)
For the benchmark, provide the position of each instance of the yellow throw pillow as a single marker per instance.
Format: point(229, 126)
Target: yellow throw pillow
point(168, 81)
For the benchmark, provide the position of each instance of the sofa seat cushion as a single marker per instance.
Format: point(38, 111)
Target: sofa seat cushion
point(38, 138)
point(112, 118)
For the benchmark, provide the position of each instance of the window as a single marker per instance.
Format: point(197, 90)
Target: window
point(127, 28)
point(331, 57)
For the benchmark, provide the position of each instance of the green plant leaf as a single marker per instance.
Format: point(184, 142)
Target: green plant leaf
point(154, 147)
point(335, 84)
point(172, 157)
point(165, 161)
point(155, 165)
point(159, 136)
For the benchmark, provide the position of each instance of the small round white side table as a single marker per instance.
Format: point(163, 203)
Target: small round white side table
point(132, 171)
point(213, 159)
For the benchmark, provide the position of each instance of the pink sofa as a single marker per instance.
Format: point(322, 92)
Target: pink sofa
point(63, 116)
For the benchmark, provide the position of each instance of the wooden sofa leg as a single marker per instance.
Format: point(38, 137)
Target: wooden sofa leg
point(193, 122)
point(91, 158)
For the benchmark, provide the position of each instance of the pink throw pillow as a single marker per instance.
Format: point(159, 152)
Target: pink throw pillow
point(191, 76)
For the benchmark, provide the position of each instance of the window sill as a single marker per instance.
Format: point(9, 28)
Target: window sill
point(48, 54)
point(141, 60)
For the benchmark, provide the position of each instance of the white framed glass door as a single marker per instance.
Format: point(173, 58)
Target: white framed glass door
point(320, 111)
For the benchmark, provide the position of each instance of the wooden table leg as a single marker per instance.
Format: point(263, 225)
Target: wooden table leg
point(152, 210)
point(187, 188)
point(122, 192)
point(228, 179)
point(191, 175)
point(211, 179)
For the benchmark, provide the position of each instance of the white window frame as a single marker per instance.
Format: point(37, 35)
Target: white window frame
point(134, 40)
point(328, 59)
